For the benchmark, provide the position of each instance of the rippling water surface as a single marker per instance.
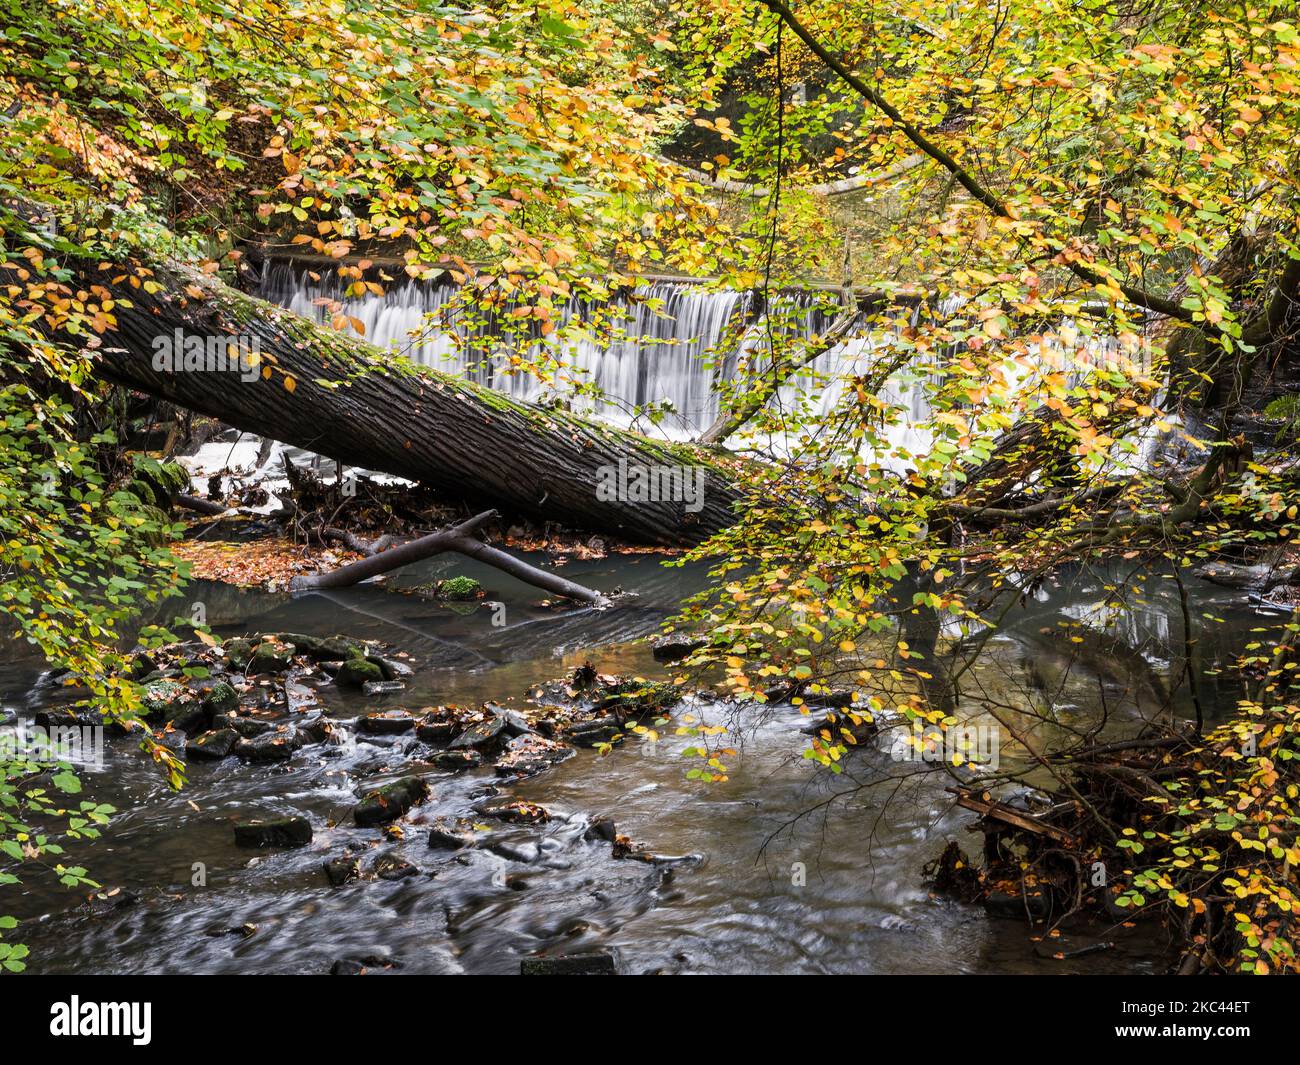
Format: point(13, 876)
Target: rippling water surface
point(780, 868)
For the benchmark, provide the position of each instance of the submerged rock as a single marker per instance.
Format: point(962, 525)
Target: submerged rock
point(525, 852)
point(340, 871)
point(282, 832)
point(1035, 903)
point(383, 687)
point(390, 802)
point(569, 965)
point(360, 966)
point(441, 838)
point(675, 646)
point(391, 668)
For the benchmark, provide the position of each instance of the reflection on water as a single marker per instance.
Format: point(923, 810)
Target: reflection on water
point(796, 870)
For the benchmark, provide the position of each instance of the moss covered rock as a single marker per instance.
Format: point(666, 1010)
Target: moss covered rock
point(356, 671)
point(390, 802)
point(221, 698)
point(271, 655)
point(459, 589)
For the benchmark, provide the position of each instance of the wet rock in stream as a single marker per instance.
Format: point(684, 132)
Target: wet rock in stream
point(67, 717)
point(569, 965)
point(387, 722)
point(340, 871)
point(212, 745)
point(271, 655)
point(361, 966)
point(481, 734)
point(442, 838)
point(393, 867)
point(514, 811)
point(675, 647)
point(390, 802)
point(457, 760)
point(220, 698)
point(529, 755)
point(356, 672)
point(269, 747)
point(383, 687)
point(601, 828)
point(281, 832)
point(479, 834)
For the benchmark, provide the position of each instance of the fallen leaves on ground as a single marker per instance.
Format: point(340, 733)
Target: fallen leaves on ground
point(270, 563)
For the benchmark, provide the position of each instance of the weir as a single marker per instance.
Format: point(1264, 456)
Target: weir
point(666, 343)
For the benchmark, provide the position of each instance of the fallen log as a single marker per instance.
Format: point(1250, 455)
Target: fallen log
point(1259, 578)
point(459, 538)
point(340, 396)
point(1000, 811)
point(200, 506)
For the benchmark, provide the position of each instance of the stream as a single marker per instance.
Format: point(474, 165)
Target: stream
point(763, 880)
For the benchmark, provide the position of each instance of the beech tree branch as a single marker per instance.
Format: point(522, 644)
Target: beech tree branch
point(1137, 296)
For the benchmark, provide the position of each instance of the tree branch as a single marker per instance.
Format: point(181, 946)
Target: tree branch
point(1137, 296)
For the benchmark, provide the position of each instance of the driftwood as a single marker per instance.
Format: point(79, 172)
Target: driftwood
point(1000, 811)
point(459, 538)
point(201, 506)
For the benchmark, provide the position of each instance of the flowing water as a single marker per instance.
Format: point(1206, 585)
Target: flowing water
point(669, 345)
point(770, 878)
point(782, 867)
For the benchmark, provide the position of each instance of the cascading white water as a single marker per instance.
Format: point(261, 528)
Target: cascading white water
point(664, 349)
point(662, 355)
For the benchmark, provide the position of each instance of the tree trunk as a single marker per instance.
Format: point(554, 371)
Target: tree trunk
point(337, 395)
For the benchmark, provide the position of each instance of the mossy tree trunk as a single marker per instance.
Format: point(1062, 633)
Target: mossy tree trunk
point(336, 395)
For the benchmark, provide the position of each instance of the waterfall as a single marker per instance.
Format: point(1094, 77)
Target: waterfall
point(661, 344)
point(661, 353)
